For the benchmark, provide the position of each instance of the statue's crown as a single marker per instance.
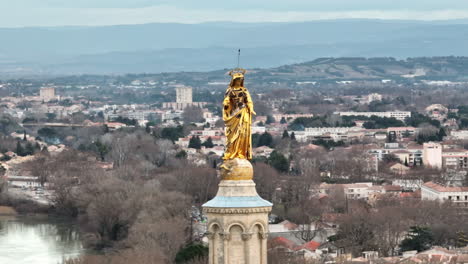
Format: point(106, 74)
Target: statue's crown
point(237, 73)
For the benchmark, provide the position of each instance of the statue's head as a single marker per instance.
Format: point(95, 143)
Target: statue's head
point(237, 77)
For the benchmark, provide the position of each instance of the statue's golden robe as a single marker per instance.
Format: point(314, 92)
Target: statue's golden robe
point(237, 115)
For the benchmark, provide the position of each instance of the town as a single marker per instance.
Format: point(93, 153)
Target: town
point(359, 171)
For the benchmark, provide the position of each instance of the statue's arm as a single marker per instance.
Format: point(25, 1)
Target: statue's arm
point(250, 105)
point(226, 106)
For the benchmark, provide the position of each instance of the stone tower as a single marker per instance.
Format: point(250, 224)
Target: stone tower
point(237, 218)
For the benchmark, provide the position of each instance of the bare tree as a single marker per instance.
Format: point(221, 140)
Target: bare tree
point(192, 114)
point(266, 179)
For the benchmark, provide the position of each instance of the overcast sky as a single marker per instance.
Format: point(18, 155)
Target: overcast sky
point(20, 13)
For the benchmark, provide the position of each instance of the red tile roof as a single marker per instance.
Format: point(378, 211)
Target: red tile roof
point(312, 246)
point(281, 242)
point(416, 194)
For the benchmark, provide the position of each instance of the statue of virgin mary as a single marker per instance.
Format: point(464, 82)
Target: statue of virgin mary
point(237, 116)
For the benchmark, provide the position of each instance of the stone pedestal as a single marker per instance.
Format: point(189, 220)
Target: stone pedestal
point(237, 218)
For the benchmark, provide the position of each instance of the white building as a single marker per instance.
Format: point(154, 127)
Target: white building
point(453, 158)
point(400, 115)
point(184, 95)
point(374, 97)
point(183, 99)
point(207, 132)
point(408, 184)
point(432, 155)
point(333, 133)
point(437, 192)
point(290, 117)
point(47, 94)
point(352, 191)
point(459, 134)
point(318, 131)
point(24, 181)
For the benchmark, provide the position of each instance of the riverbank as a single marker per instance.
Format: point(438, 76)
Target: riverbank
point(22, 206)
point(7, 211)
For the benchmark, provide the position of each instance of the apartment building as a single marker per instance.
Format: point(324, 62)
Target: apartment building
point(438, 192)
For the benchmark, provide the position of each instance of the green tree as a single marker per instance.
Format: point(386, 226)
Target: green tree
point(208, 143)
point(181, 154)
point(127, 121)
point(419, 238)
point(265, 139)
point(19, 149)
point(441, 134)
point(47, 132)
point(278, 161)
point(464, 123)
point(29, 149)
point(285, 134)
point(195, 142)
point(255, 139)
point(293, 136)
point(417, 119)
point(172, 133)
point(51, 116)
point(270, 119)
point(102, 149)
point(191, 252)
point(283, 120)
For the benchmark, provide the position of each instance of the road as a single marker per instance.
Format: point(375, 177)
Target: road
point(40, 197)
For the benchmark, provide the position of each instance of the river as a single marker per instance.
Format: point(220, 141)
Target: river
point(26, 240)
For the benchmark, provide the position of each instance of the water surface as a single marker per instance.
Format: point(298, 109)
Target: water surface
point(33, 240)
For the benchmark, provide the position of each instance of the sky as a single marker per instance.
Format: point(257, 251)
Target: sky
point(33, 13)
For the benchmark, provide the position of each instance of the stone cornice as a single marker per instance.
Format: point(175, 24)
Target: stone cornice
point(217, 210)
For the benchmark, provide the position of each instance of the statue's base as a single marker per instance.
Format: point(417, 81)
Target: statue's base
point(236, 170)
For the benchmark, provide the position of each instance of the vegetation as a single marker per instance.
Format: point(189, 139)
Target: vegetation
point(195, 142)
point(418, 238)
point(278, 161)
point(376, 122)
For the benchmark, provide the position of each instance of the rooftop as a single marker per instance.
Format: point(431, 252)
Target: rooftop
point(441, 188)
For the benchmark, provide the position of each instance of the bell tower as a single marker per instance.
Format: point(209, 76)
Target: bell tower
point(237, 218)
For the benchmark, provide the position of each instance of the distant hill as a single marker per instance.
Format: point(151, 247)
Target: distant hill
point(322, 70)
point(426, 68)
point(156, 48)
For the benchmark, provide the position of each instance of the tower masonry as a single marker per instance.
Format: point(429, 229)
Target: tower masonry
point(237, 218)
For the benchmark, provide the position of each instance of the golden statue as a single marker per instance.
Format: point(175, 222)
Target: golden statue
point(237, 116)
